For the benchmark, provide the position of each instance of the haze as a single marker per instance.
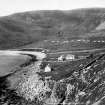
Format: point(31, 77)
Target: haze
point(13, 6)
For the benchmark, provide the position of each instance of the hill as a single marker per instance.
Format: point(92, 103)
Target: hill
point(37, 26)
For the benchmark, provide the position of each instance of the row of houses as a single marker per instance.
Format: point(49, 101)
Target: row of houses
point(99, 41)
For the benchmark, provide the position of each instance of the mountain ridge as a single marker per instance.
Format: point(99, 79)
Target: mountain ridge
point(36, 26)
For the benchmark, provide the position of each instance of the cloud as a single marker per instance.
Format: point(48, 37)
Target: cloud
point(73, 4)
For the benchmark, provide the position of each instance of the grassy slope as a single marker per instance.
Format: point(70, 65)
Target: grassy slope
point(34, 27)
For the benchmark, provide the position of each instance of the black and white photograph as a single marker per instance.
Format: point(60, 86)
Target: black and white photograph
point(52, 52)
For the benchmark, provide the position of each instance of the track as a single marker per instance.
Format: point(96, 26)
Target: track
point(62, 52)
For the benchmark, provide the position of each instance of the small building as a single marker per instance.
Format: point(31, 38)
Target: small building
point(47, 68)
point(61, 58)
point(70, 57)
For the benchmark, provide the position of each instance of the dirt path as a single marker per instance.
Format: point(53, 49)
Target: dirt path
point(62, 52)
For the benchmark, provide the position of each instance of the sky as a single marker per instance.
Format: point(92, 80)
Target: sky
point(8, 7)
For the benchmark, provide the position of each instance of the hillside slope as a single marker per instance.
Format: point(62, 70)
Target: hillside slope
point(36, 26)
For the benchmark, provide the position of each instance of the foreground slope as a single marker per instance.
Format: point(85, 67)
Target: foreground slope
point(80, 82)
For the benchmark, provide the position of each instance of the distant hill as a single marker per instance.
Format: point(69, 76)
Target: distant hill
point(36, 26)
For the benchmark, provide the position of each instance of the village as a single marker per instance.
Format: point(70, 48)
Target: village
point(61, 58)
point(64, 58)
